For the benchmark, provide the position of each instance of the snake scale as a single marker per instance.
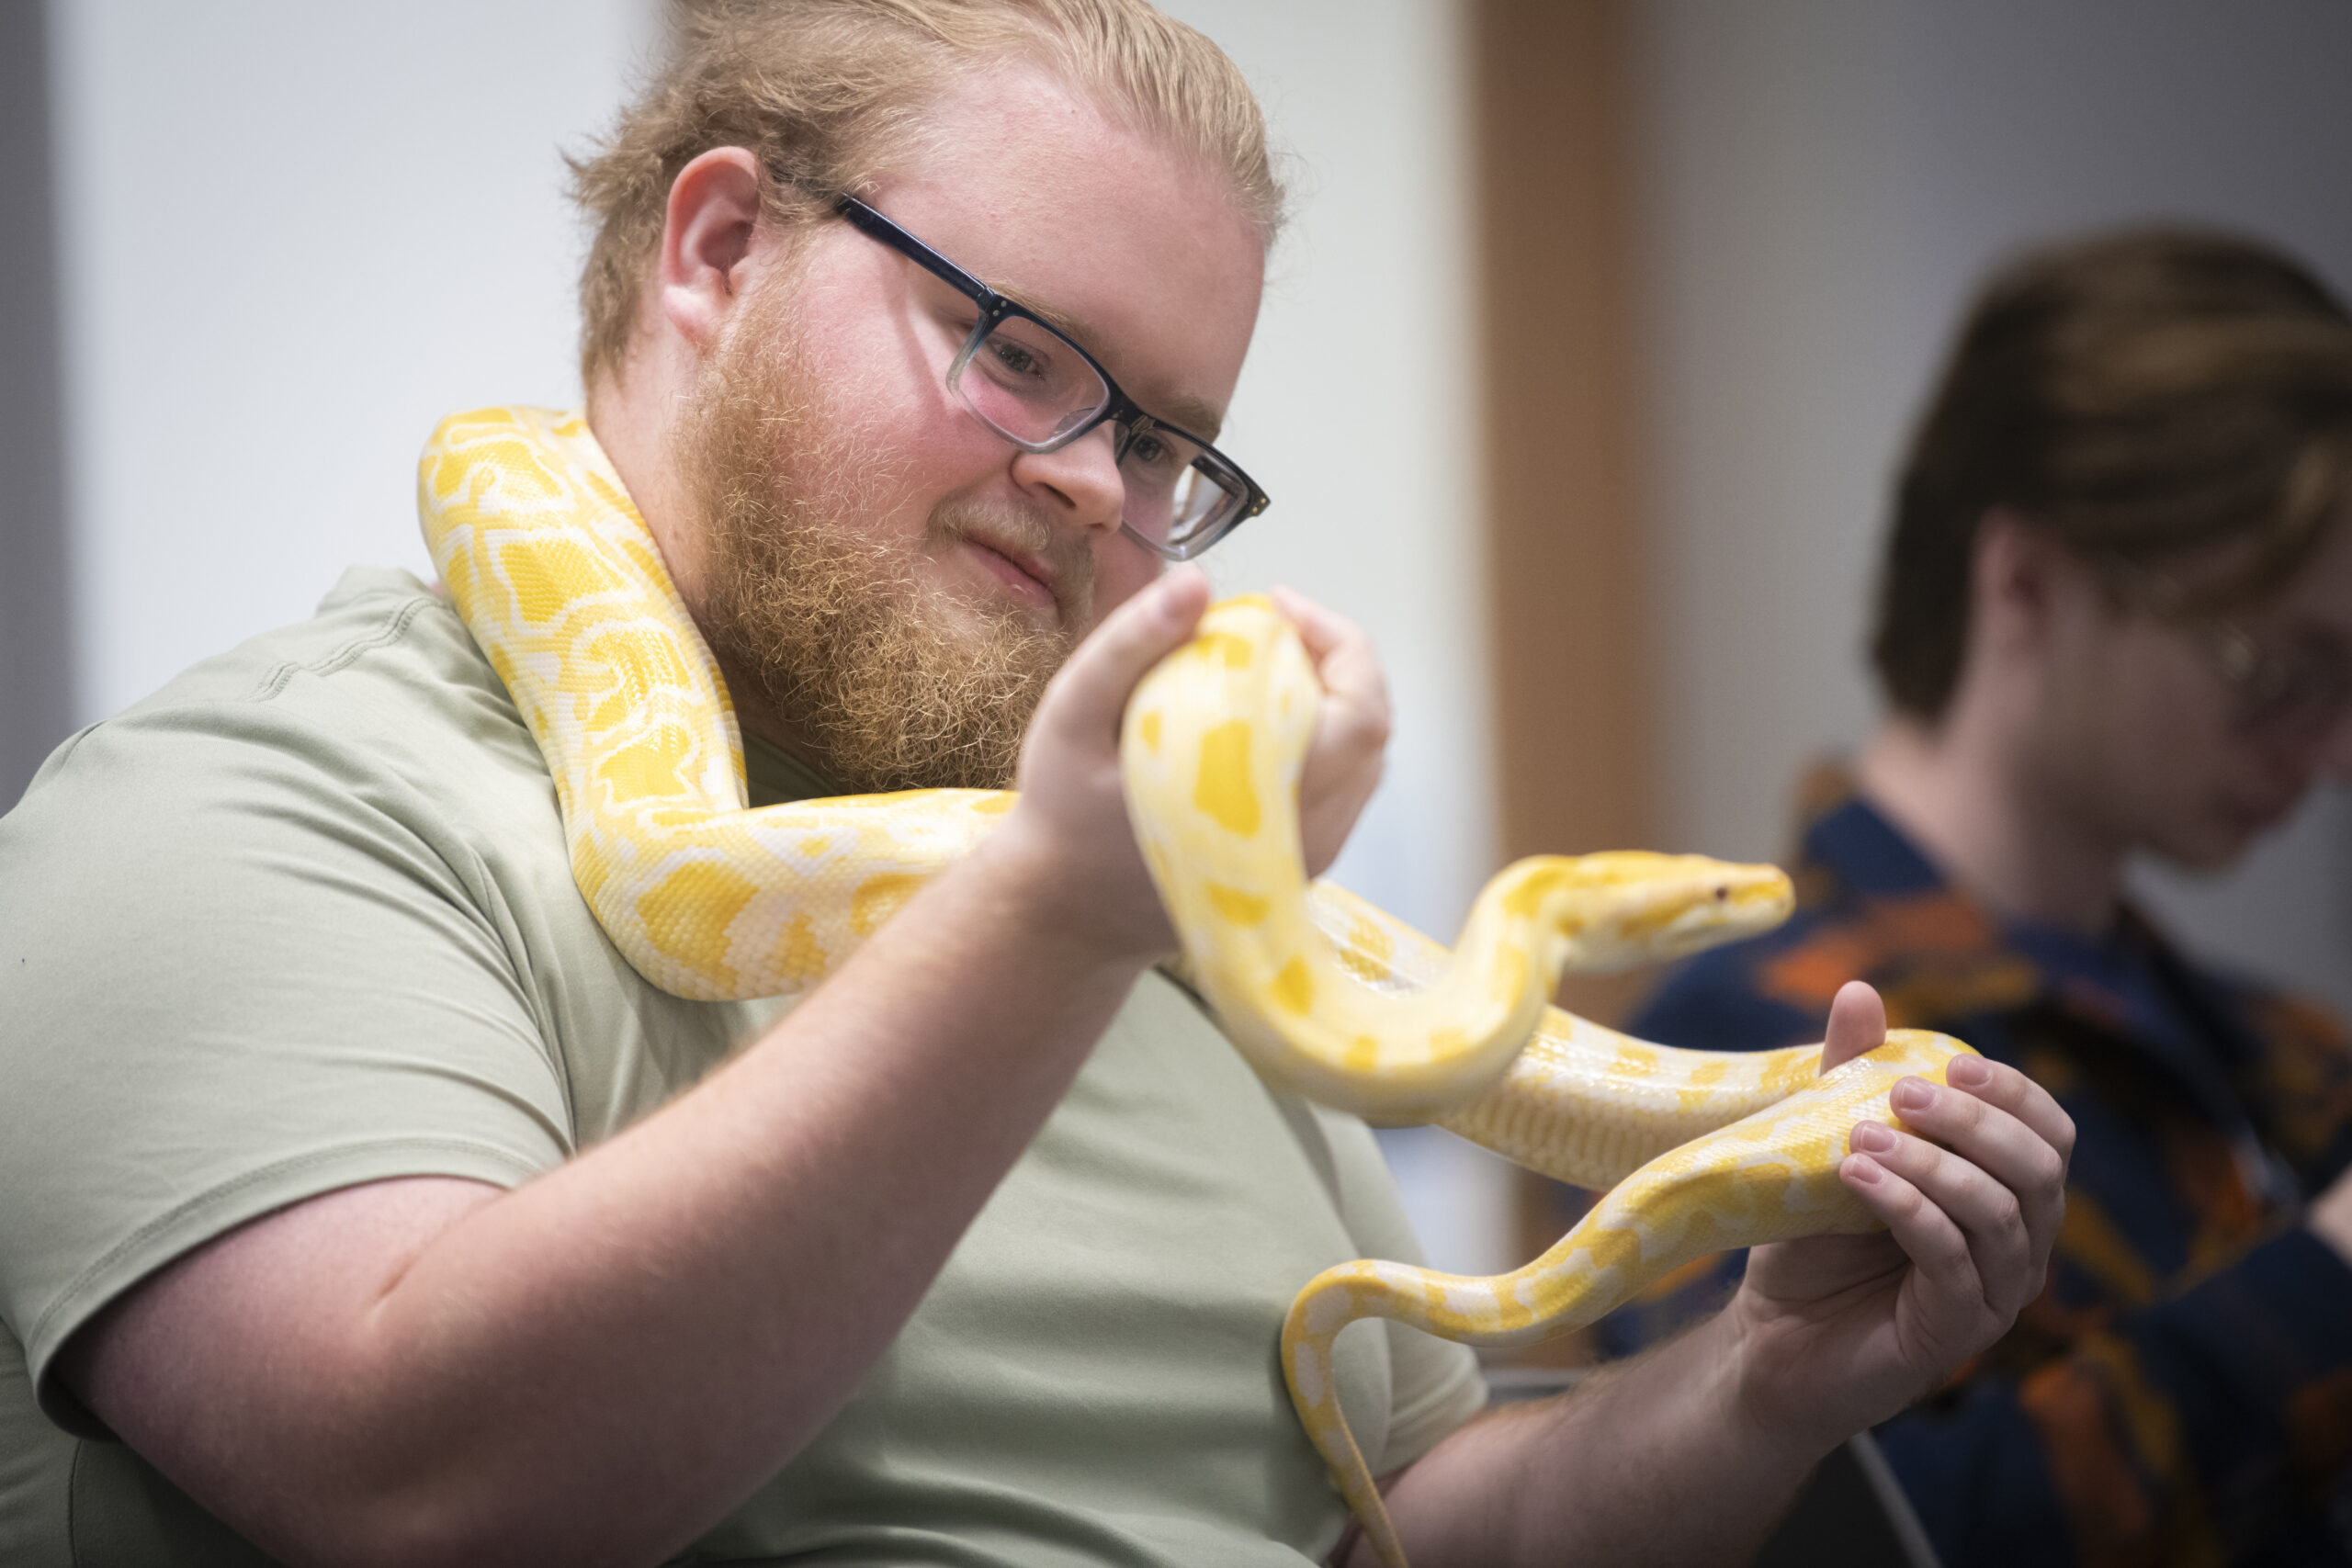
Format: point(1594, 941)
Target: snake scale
point(564, 588)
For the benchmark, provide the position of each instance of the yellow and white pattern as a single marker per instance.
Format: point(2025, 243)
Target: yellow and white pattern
point(562, 587)
point(560, 584)
point(1772, 1176)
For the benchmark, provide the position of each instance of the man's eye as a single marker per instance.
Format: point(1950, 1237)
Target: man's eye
point(1016, 357)
point(1148, 450)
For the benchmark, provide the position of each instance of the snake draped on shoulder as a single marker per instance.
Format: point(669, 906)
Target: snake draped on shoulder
point(565, 591)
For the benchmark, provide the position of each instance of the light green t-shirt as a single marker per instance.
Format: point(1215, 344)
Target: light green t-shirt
point(304, 918)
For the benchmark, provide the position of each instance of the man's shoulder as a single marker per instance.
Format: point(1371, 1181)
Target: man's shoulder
point(382, 679)
point(370, 744)
point(381, 644)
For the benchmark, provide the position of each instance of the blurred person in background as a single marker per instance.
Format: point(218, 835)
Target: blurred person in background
point(2114, 617)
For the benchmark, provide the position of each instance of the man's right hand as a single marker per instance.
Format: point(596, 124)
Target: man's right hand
point(1072, 819)
point(1070, 837)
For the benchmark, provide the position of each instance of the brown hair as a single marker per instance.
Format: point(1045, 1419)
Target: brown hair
point(2135, 395)
point(828, 94)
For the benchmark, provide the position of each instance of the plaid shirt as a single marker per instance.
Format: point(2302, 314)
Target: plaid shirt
point(2181, 1391)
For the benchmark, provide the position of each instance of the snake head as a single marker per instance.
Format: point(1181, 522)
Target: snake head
point(1636, 906)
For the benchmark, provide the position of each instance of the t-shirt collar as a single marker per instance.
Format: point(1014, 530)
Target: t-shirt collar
point(775, 777)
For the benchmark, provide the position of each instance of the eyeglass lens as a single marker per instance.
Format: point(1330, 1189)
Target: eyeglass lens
point(1032, 388)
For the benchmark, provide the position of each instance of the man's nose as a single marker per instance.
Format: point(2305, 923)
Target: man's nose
point(1079, 482)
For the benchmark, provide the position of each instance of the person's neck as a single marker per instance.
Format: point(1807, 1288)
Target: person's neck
point(635, 424)
point(634, 420)
point(1971, 805)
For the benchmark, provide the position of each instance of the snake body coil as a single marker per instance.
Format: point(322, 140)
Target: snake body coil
point(562, 587)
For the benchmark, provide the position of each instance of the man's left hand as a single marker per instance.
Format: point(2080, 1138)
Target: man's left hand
point(1840, 1332)
point(1343, 759)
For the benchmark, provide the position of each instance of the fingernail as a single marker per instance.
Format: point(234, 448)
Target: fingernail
point(1872, 1138)
point(1865, 1171)
point(1914, 1094)
point(1968, 1072)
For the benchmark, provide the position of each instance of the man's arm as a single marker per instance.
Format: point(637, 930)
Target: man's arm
point(597, 1366)
point(1690, 1453)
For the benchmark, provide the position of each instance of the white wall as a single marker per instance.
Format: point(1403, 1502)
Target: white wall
point(1827, 178)
point(294, 236)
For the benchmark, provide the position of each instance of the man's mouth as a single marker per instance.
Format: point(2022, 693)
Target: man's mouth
point(1032, 578)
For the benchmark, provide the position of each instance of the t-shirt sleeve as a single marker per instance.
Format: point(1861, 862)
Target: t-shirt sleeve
point(241, 966)
point(1434, 1385)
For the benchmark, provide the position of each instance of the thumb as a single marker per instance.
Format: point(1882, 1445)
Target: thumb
point(1857, 1023)
point(1089, 696)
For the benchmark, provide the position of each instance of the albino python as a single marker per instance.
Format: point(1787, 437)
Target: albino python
point(561, 586)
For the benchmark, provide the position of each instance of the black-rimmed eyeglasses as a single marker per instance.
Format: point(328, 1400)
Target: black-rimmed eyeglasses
point(2296, 689)
point(1029, 383)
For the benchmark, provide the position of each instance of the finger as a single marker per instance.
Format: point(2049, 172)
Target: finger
point(1346, 660)
point(1857, 1024)
point(1092, 690)
point(1989, 1138)
point(2038, 1174)
point(1996, 1083)
point(1320, 629)
point(1948, 1296)
point(1351, 722)
point(1976, 1124)
point(1989, 1215)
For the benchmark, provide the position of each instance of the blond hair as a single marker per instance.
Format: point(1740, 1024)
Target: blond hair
point(829, 93)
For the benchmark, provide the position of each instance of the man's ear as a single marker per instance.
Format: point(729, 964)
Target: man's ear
point(706, 233)
point(2013, 571)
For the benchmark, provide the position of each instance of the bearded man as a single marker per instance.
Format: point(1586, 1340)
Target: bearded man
point(371, 1209)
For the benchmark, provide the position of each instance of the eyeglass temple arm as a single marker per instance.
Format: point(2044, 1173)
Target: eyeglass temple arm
point(874, 225)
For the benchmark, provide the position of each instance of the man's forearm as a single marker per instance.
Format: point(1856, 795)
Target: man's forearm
point(1650, 1462)
point(595, 1365)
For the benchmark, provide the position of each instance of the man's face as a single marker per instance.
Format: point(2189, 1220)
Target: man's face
point(895, 580)
point(2148, 742)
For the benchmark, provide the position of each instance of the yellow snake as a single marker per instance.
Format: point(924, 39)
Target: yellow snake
point(564, 588)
